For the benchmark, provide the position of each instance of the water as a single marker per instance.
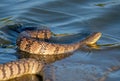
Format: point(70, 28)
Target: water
point(68, 17)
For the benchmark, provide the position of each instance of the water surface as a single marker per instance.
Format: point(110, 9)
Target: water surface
point(69, 17)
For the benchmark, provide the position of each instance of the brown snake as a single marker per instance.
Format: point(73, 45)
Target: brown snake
point(32, 41)
point(27, 42)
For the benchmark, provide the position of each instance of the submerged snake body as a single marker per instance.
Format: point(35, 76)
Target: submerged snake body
point(30, 41)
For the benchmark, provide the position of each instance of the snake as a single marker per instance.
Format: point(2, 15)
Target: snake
point(34, 42)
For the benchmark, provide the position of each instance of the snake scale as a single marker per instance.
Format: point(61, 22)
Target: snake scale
point(32, 41)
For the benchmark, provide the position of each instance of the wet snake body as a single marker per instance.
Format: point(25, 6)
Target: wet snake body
point(30, 41)
point(20, 67)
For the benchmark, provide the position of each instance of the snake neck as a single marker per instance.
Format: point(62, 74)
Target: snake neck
point(91, 39)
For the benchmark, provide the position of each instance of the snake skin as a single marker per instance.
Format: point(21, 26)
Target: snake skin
point(30, 41)
point(20, 67)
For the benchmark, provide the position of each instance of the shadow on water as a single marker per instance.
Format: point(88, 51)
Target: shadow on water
point(70, 21)
point(48, 59)
point(27, 78)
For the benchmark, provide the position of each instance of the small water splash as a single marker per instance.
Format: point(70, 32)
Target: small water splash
point(103, 46)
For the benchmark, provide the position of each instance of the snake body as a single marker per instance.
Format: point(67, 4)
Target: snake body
point(20, 67)
point(32, 41)
point(27, 41)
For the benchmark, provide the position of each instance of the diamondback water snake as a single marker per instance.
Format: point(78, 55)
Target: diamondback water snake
point(32, 41)
point(27, 42)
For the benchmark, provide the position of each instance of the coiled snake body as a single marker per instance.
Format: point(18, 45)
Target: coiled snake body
point(32, 41)
point(27, 42)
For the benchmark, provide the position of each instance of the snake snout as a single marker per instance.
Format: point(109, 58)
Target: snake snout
point(93, 38)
